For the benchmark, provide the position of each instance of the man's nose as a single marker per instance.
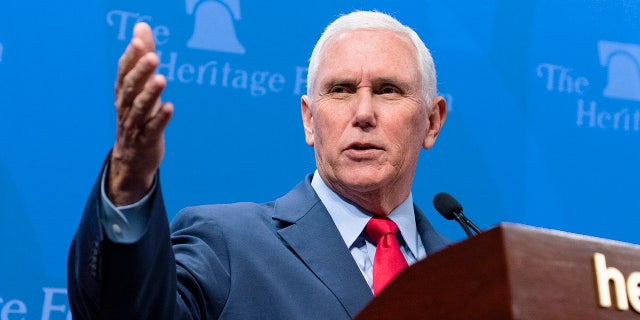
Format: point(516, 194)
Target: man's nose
point(364, 116)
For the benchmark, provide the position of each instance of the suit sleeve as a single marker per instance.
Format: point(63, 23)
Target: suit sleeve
point(109, 280)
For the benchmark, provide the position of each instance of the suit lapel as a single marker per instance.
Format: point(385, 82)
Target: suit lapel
point(431, 239)
point(316, 240)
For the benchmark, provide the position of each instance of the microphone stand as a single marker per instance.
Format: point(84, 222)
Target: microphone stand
point(464, 223)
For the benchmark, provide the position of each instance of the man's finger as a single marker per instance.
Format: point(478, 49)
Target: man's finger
point(128, 60)
point(143, 32)
point(135, 81)
point(144, 102)
point(158, 123)
point(141, 43)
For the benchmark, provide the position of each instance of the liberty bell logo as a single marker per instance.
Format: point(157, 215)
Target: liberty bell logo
point(214, 28)
point(623, 61)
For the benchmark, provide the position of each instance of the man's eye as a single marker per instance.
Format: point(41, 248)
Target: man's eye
point(389, 90)
point(339, 89)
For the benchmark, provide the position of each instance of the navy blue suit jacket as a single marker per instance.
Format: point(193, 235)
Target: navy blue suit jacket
point(279, 260)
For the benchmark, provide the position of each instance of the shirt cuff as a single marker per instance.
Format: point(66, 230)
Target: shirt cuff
point(124, 224)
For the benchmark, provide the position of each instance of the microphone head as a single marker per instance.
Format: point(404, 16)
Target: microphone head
point(447, 205)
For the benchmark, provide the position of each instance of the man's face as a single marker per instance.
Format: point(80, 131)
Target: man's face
point(367, 118)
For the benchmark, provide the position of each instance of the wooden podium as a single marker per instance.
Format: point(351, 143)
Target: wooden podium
point(516, 272)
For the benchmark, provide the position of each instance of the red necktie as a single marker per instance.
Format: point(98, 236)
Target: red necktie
point(389, 260)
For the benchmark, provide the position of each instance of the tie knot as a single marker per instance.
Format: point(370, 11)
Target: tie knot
point(376, 228)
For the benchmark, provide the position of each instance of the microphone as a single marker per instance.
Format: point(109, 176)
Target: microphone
point(451, 209)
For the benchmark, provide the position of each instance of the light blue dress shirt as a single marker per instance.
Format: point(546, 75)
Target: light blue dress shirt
point(351, 221)
point(124, 224)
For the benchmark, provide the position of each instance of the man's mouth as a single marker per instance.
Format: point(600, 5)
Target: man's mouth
point(363, 146)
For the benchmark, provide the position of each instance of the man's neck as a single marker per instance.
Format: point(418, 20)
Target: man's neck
point(376, 201)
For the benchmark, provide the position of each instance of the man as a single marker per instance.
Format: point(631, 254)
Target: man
point(371, 106)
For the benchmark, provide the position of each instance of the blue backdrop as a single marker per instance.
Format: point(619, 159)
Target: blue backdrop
point(543, 129)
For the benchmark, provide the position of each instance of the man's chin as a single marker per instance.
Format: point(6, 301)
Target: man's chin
point(363, 182)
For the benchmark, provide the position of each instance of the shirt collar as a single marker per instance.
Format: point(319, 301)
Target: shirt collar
point(351, 220)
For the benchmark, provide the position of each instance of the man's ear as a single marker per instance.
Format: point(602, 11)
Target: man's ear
point(307, 120)
point(436, 120)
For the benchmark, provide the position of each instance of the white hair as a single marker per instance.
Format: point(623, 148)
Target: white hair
point(373, 20)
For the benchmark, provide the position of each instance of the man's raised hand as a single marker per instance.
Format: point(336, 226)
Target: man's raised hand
point(141, 120)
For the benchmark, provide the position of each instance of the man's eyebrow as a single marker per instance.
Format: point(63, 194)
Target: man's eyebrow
point(391, 80)
point(338, 81)
point(351, 82)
